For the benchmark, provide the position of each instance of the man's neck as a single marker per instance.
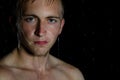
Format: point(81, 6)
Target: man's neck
point(25, 60)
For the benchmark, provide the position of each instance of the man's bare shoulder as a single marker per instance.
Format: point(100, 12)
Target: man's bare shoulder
point(5, 74)
point(73, 72)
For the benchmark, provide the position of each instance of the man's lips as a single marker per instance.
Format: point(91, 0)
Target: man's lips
point(40, 42)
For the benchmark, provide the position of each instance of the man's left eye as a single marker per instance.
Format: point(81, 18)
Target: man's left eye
point(30, 19)
point(52, 20)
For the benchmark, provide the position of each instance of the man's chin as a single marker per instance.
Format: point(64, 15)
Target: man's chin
point(36, 51)
point(40, 52)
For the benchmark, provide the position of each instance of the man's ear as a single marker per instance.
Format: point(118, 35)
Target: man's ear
point(62, 25)
point(12, 23)
point(11, 20)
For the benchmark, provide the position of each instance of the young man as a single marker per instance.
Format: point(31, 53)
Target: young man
point(39, 22)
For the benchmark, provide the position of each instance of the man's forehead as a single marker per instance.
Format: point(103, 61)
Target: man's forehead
point(28, 5)
point(45, 2)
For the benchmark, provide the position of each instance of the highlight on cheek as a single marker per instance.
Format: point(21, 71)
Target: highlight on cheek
point(52, 34)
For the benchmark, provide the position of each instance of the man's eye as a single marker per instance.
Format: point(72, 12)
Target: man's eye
point(52, 20)
point(29, 19)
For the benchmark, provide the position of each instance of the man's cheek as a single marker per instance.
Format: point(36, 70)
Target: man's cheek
point(54, 30)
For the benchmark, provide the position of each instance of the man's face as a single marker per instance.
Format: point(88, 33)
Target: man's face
point(40, 25)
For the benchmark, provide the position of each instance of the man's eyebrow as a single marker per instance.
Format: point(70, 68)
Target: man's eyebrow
point(37, 16)
point(53, 17)
point(30, 15)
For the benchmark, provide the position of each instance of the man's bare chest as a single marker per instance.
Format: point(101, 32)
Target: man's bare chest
point(33, 75)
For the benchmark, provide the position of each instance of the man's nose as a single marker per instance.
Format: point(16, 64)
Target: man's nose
point(40, 29)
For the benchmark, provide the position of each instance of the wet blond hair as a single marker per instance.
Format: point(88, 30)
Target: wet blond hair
point(21, 4)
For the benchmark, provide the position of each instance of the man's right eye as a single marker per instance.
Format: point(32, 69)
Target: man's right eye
point(29, 19)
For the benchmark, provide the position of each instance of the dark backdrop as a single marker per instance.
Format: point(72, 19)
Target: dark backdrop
point(86, 40)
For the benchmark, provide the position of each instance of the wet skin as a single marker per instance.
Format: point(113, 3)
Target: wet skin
point(40, 25)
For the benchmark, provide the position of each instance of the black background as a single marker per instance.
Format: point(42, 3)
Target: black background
point(86, 39)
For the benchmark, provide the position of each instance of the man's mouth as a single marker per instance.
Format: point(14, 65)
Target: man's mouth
point(41, 43)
